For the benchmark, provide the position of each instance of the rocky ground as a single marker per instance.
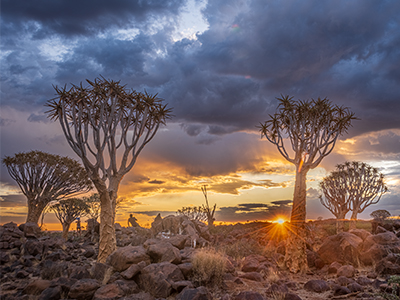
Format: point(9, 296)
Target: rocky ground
point(157, 263)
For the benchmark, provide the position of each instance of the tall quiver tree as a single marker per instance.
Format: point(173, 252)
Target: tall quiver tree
point(312, 128)
point(366, 187)
point(335, 196)
point(107, 126)
point(44, 177)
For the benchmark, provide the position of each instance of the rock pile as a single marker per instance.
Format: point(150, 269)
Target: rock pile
point(156, 263)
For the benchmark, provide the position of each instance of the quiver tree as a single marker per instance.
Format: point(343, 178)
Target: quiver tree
point(67, 211)
point(311, 128)
point(107, 126)
point(366, 186)
point(93, 202)
point(335, 196)
point(380, 215)
point(207, 209)
point(44, 177)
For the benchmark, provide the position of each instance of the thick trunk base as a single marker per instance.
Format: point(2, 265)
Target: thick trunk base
point(296, 257)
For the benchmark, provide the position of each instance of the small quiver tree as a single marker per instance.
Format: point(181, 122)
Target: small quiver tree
point(380, 215)
point(93, 202)
point(335, 196)
point(312, 129)
point(44, 177)
point(366, 187)
point(107, 126)
point(207, 209)
point(67, 211)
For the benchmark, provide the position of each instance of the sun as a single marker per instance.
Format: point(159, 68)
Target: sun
point(280, 221)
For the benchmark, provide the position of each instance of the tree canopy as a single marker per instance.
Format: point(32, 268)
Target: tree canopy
point(107, 126)
point(44, 177)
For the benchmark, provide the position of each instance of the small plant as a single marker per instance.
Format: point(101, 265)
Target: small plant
point(394, 285)
point(208, 267)
point(272, 275)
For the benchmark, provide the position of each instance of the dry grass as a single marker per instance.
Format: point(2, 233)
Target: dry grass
point(208, 267)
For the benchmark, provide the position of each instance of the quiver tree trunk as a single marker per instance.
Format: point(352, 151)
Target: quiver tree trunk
point(295, 256)
point(65, 227)
point(107, 241)
point(35, 210)
point(340, 222)
point(353, 220)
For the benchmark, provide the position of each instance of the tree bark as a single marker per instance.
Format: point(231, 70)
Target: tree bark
point(296, 257)
point(340, 222)
point(65, 230)
point(353, 220)
point(34, 211)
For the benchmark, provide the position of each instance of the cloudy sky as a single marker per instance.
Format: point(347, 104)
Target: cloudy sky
point(220, 65)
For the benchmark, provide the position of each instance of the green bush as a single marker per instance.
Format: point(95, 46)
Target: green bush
point(394, 284)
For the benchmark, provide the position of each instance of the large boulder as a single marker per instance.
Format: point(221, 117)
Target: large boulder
point(161, 250)
point(122, 258)
point(376, 247)
point(342, 247)
point(157, 279)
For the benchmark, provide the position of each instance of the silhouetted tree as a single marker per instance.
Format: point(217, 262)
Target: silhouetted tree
point(195, 213)
point(366, 187)
point(207, 209)
point(312, 128)
point(45, 177)
point(380, 215)
point(67, 211)
point(107, 126)
point(335, 196)
point(93, 202)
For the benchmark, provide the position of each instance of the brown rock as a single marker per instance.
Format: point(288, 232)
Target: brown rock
point(131, 271)
point(122, 258)
point(342, 248)
point(334, 267)
point(347, 271)
point(109, 292)
point(255, 276)
point(249, 295)
point(316, 285)
point(160, 251)
point(36, 287)
point(83, 289)
point(200, 293)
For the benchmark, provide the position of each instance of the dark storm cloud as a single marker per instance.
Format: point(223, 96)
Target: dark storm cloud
point(76, 17)
point(155, 181)
point(254, 211)
point(227, 79)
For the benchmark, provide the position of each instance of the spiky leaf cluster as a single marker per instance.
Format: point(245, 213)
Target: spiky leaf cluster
point(311, 126)
point(105, 116)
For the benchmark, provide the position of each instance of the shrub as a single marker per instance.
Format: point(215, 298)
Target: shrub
point(208, 267)
point(394, 286)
